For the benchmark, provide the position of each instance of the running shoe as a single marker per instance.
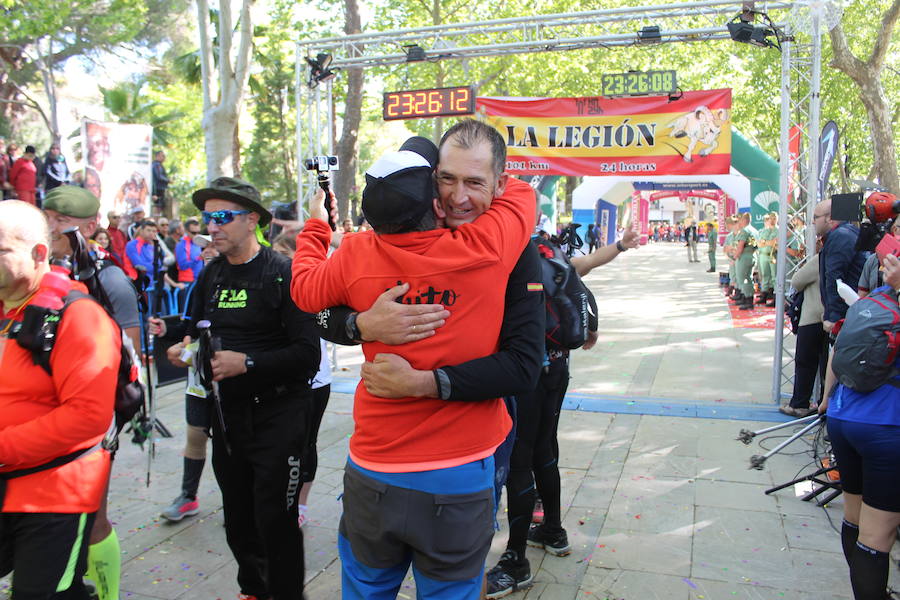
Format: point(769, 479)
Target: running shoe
point(510, 575)
point(538, 515)
point(553, 542)
point(181, 507)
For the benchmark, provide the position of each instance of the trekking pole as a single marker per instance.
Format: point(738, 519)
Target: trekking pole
point(208, 345)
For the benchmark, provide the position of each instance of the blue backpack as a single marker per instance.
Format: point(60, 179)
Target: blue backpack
point(867, 342)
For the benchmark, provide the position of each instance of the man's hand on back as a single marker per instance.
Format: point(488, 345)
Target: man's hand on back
point(391, 376)
point(393, 323)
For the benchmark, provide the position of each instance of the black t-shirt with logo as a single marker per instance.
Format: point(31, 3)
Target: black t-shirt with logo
point(251, 310)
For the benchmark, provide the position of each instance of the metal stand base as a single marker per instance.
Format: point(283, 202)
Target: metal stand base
point(825, 484)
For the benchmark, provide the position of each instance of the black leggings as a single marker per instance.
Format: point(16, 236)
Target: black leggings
point(811, 357)
point(310, 458)
point(535, 455)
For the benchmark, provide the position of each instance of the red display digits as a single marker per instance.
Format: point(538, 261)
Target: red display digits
point(461, 101)
point(434, 102)
point(391, 106)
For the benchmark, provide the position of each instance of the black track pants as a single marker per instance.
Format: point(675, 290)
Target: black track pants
point(260, 482)
point(535, 454)
point(47, 554)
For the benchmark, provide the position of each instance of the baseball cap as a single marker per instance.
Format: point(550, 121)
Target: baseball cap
point(399, 185)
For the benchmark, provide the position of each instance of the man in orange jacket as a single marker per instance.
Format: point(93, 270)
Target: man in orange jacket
point(429, 462)
point(52, 421)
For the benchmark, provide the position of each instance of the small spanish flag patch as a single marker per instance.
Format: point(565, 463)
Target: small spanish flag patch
point(535, 287)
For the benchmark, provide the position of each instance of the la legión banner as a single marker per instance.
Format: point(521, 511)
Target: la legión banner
point(614, 136)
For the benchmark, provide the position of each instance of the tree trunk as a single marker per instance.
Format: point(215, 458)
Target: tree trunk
point(220, 115)
point(878, 109)
point(348, 146)
point(218, 134)
point(236, 150)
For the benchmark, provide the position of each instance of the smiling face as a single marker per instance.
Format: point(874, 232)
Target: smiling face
point(467, 182)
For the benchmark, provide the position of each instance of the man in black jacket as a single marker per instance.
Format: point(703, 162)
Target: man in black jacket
point(160, 182)
point(837, 260)
point(270, 350)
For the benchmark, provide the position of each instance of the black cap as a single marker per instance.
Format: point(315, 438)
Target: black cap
point(235, 190)
point(400, 185)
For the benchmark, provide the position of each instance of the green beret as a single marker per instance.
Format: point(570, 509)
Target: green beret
point(72, 201)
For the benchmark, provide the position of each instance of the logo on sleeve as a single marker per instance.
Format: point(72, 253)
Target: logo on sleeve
point(535, 287)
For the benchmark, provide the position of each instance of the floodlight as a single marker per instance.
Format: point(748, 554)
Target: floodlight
point(414, 53)
point(324, 60)
point(742, 30)
point(649, 35)
point(318, 69)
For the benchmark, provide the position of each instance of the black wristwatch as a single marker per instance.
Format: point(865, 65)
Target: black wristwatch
point(620, 247)
point(249, 363)
point(352, 329)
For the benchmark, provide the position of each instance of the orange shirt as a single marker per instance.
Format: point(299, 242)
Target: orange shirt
point(43, 417)
point(465, 270)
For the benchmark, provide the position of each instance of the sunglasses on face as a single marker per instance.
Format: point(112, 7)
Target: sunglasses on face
point(221, 217)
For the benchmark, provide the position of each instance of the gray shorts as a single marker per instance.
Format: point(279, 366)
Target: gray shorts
point(447, 536)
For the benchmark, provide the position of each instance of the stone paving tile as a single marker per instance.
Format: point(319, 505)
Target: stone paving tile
point(666, 553)
point(741, 546)
point(742, 496)
point(617, 584)
point(166, 570)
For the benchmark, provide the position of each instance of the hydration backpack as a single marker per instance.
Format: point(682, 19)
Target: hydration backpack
point(38, 334)
point(566, 299)
point(867, 342)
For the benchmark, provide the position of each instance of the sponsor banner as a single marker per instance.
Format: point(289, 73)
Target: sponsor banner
point(828, 143)
point(117, 164)
point(793, 156)
point(614, 136)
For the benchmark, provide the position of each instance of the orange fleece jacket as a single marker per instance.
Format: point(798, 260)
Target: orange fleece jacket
point(43, 417)
point(465, 270)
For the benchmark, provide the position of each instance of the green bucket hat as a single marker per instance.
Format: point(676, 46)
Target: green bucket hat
point(234, 190)
point(72, 201)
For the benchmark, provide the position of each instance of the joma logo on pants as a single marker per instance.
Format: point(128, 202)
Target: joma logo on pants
point(293, 480)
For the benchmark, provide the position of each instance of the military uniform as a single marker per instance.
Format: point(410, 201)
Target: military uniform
point(732, 277)
point(712, 238)
point(744, 265)
point(766, 266)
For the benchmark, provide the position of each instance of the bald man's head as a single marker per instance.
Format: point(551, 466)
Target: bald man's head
point(24, 252)
point(24, 222)
point(822, 217)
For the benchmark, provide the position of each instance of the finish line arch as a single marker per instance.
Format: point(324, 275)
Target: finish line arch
point(750, 186)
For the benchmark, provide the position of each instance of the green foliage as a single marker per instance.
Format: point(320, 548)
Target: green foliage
point(125, 103)
point(269, 159)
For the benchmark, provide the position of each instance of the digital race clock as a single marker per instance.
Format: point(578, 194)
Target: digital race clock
point(434, 102)
point(635, 83)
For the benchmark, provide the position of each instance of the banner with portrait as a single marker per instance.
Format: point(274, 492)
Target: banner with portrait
point(117, 159)
point(648, 135)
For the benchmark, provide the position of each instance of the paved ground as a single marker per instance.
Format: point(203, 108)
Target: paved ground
point(657, 507)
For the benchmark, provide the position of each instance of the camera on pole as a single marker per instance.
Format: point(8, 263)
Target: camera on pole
point(323, 166)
